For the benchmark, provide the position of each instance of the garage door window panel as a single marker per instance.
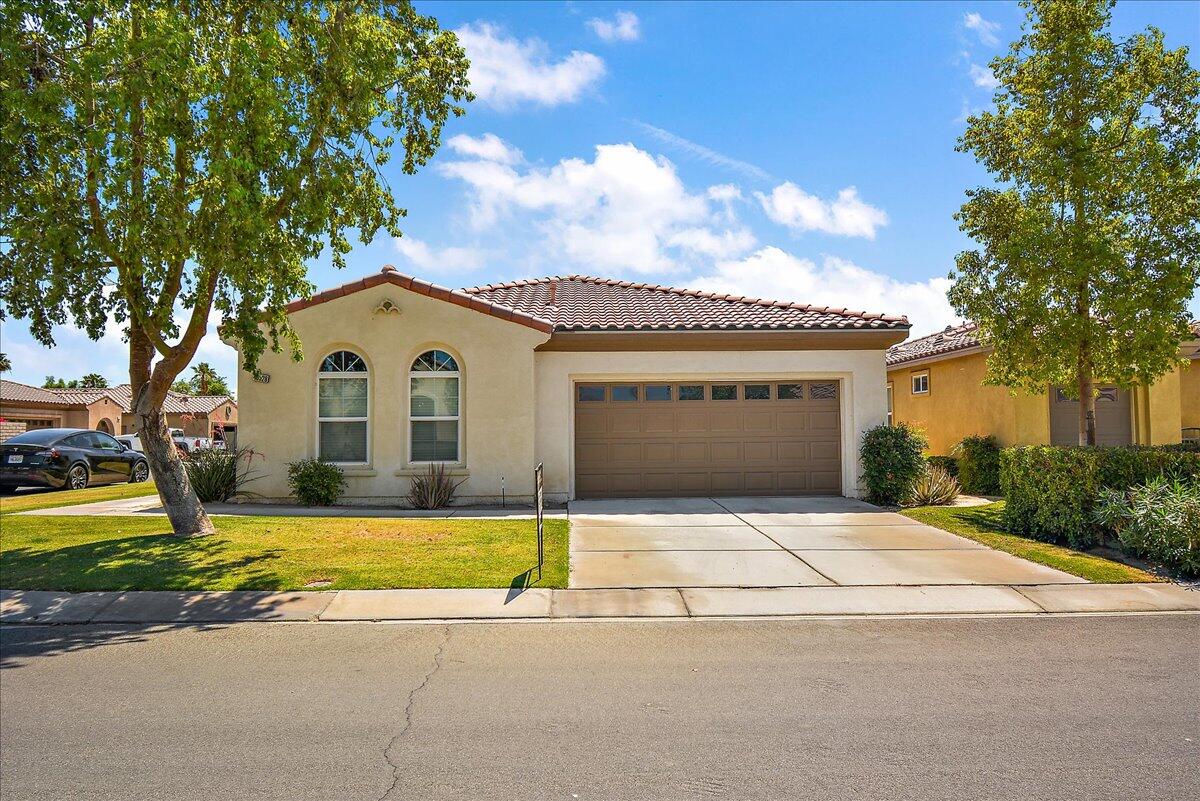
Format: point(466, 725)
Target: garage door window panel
point(758, 392)
point(624, 394)
point(724, 392)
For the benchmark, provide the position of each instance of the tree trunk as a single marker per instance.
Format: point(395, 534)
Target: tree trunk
point(174, 489)
point(1087, 408)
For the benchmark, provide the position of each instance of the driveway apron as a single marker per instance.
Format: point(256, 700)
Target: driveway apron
point(776, 542)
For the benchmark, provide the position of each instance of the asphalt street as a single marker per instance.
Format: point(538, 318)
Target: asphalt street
point(995, 708)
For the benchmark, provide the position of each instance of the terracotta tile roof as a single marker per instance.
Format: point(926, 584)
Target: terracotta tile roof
point(176, 403)
point(16, 392)
point(955, 338)
point(584, 303)
point(951, 338)
point(389, 275)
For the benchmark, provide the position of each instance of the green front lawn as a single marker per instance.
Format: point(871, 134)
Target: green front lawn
point(28, 500)
point(275, 553)
point(983, 524)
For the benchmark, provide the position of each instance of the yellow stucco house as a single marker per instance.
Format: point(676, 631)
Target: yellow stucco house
point(618, 389)
point(936, 384)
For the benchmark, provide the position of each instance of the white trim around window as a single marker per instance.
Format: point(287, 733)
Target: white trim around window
point(891, 395)
point(920, 384)
point(344, 383)
point(437, 407)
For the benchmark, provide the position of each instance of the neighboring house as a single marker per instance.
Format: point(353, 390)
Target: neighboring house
point(936, 383)
point(110, 410)
point(618, 389)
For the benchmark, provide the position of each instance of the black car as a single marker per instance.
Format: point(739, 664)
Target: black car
point(67, 458)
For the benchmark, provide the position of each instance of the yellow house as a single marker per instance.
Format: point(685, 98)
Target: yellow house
point(935, 383)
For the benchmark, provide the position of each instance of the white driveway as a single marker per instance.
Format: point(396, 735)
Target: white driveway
point(776, 542)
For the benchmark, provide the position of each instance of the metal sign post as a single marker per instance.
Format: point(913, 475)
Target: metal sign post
point(539, 510)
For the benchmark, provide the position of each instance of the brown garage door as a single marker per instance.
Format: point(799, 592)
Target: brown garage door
point(661, 439)
point(1114, 421)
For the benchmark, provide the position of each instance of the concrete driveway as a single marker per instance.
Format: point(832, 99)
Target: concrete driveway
point(776, 542)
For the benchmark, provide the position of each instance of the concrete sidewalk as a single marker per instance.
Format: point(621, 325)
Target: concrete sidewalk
point(42, 607)
point(151, 505)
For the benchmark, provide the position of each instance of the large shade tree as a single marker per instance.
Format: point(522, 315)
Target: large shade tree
point(1090, 237)
point(163, 159)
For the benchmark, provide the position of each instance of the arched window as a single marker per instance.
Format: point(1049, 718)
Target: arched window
point(343, 409)
point(433, 408)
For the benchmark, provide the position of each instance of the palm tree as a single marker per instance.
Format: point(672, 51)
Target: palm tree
point(5, 364)
point(207, 381)
point(93, 381)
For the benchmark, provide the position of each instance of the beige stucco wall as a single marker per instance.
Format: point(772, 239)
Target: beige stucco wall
point(861, 373)
point(278, 419)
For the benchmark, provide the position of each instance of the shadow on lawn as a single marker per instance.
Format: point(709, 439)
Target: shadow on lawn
point(987, 518)
point(143, 562)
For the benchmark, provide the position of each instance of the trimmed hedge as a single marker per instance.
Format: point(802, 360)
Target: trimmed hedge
point(979, 465)
point(1051, 492)
point(892, 462)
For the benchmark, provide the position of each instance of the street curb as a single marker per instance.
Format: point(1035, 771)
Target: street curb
point(38, 607)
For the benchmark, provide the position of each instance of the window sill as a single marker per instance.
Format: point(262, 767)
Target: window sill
point(459, 470)
point(359, 472)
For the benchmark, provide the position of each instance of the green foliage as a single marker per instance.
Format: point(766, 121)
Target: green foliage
point(160, 156)
point(89, 381)
point(218, 474)
point(316, 483)
point(5, 364)
point(979, 465)
point(205, 380)
point(934, 487)
point(1051, 491)
point(1158, 520)
point(892, 462)
point(947, 463)
point(432, 490)
point(1089, 243)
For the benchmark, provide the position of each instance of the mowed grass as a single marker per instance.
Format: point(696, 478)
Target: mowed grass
point(29, 500)
point(276, 553)
point(983, 524)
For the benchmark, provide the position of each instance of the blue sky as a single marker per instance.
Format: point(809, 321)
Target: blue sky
point(796, 151)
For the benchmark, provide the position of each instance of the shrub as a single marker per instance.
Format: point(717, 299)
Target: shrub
point(432, 490)
point(935, 487)
point(1158, 520)
point(316, 483)
point(892, 462)
point(1051, 491)
point(220, 474)
point(947, 463)
point(979, 465)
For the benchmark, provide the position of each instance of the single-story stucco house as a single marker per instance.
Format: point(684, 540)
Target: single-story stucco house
point(935, 383)
point(619, 389)
point(110, 409)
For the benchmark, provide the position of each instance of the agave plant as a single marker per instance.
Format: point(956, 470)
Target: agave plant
point(432, 490)
point(935, 487)
point(220, 474)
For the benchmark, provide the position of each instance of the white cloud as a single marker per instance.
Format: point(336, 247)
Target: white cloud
point(506, 72)
point(452, 259)
point(724, 193)
point(983, 77)
point(626, 210)
point(488, 147)
point(776, 274)
point(985, 29)
point(623, 28)
point(705, 154)
point(847, 215)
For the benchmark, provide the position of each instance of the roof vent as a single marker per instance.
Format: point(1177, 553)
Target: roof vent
point(554, 292)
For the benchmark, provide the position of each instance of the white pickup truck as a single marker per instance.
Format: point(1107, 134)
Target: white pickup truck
point(182, 441)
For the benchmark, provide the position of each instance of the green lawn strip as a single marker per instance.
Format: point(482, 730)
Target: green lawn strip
point(29, 501)
point(983, 524)
point(275, 553)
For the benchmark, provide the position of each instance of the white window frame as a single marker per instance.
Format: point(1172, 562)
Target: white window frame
point(891, 394)
point(321, 375)
point(455, 374)
point(916, 391)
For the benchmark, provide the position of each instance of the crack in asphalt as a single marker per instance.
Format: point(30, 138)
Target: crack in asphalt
point(408, 710)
